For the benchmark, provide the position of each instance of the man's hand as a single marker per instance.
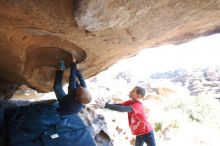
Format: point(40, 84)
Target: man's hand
point(73, 58)
point(74, 55)
point(100, 103)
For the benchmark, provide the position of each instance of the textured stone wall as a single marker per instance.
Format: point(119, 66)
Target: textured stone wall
point(35, 34)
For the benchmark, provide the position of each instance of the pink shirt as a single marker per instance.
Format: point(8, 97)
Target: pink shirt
point(137, 119)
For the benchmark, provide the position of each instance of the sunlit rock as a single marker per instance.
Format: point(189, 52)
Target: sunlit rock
point(35, 34)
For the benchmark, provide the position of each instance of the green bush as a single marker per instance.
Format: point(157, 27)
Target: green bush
point(198, 109)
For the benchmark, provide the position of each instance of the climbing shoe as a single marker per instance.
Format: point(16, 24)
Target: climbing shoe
point(62, 64)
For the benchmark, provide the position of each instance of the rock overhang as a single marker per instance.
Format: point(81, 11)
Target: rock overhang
point(34, 35)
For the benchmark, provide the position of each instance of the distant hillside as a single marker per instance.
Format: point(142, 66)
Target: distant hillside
point(198, 81)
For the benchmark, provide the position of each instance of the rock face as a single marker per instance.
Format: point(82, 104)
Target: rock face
point(35, 34)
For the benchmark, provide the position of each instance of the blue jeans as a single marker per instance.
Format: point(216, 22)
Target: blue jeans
point(147, 138)
point(73, 82)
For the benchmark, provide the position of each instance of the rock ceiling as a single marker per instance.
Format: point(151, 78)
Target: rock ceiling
point(35, 34)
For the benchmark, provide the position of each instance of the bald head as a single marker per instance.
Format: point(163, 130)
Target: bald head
point(83, 95)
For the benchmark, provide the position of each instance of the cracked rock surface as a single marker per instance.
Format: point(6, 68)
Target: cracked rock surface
point(35, 34)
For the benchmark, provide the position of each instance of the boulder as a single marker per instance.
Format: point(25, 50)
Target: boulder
point(35, 34)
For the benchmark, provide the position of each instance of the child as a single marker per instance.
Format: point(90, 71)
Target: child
point(77, 96)
point(136, 117)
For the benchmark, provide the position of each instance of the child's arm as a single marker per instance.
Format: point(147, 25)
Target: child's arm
point(119, 108)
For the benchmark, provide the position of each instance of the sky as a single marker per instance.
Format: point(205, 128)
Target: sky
point(203, 51)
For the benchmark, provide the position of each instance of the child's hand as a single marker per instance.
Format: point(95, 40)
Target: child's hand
point(99, 103)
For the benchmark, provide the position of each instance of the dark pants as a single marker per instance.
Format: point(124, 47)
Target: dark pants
point(147, 138)
point(73, 83)
point(58, 88)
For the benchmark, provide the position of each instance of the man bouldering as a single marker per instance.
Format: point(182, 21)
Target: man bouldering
point(52, 123)
point(77, 96)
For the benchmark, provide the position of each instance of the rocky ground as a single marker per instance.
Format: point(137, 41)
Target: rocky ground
point(198, 81)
